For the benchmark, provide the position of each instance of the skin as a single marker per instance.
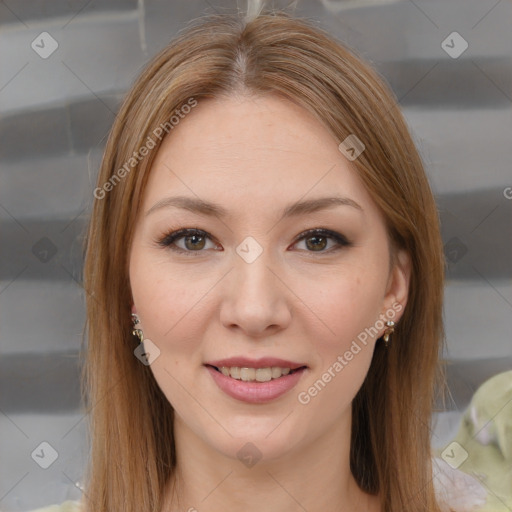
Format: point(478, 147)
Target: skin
point(254, 156)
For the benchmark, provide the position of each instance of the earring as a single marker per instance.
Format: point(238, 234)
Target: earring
point(388, 332)
point(137, 332)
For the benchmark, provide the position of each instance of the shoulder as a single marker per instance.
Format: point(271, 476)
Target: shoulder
point(473, 472)
point(457, 490)
point(67, 506)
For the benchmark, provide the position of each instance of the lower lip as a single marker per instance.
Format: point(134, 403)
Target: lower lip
point(255, 392)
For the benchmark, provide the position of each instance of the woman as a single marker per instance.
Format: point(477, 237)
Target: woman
point(264, 218)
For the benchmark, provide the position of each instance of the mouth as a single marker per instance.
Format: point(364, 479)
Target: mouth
point(264, 374)
point(255, 383)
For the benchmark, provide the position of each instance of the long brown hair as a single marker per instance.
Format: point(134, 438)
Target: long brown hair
point(131, 422)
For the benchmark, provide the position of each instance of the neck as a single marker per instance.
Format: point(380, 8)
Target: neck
point(314, 477)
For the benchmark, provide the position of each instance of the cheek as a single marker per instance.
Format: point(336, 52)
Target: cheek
point(167, 304)
point(347, 304)
point(169, 309)
point(350, 306)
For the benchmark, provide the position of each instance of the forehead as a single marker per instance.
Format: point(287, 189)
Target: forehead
point(252, 151)
point(240, 128)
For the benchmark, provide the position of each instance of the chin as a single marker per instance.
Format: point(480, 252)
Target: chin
point(250, 450)
point(270, 439)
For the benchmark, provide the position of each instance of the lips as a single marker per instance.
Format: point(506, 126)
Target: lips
point(255, 392)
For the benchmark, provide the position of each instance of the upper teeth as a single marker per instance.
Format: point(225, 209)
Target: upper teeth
point(257, 374)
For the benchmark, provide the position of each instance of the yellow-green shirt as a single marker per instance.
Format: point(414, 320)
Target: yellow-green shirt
point(66, 506)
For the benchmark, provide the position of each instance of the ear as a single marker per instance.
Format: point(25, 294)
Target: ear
point(134, 310)
point(397, 289)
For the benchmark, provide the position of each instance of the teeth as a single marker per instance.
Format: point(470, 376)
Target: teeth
point(276, 372)
point(247, 374)
point(254, 374)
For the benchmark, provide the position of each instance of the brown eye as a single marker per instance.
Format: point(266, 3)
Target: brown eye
point(316, 240)
point(194, 241)
point(319, 243)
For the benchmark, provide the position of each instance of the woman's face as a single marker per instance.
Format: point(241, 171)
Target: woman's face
point(252, 285)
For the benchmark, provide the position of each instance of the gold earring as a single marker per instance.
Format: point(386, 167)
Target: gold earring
point(137, 332)
point(388, 332)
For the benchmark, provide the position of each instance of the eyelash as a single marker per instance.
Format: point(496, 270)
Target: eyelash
point(169, 239)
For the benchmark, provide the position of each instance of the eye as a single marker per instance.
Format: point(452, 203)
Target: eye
point(320, 238)
point(195, 239)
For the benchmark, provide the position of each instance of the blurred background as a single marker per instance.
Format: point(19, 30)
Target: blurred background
point(64, 67)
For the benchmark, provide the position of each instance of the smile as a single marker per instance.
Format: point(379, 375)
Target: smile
point(255, 374)
point(255, 385)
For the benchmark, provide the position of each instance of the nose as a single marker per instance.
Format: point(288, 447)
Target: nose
point(257, 300)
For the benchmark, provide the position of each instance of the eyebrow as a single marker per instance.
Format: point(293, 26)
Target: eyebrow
point(215, 210)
